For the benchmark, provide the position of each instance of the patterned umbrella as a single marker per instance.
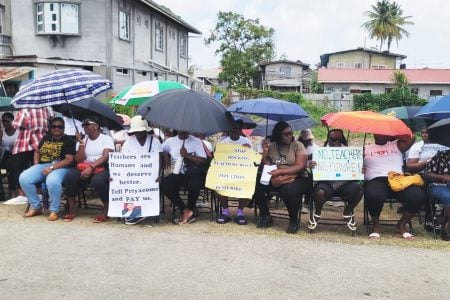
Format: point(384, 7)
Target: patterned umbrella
point(137, 94)
point(59, 87)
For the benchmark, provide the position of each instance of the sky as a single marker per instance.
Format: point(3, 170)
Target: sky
point(305, 29)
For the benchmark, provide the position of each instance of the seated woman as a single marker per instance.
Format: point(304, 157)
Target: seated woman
point(55, 154)
point(8, 137)
point(350, 191)
point(140, 141)
point(235, 137)
point(187, 150)
point(437, 172)
point(91, 158)
point(379, 159)
point(288, 179)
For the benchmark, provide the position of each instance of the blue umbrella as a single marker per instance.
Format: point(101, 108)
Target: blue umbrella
point(59, 87)
point(436, 109)
point(269, 108)
point(263, 127)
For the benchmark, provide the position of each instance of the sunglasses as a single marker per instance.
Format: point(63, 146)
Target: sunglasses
point(336, 140)
point(57, 126)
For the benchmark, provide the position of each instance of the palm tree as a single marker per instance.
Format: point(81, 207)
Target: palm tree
point(385, 21)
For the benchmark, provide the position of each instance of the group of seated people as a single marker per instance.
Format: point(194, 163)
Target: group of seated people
point(68, 162)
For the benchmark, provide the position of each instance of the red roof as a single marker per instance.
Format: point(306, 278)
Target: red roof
point(415, 76)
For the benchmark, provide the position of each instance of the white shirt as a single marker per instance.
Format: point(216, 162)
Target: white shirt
point(193, 145)
point(424, 151)
point(241, 141)
point(69, 127)
point(132, 145)
point(94, 148)
point(379, 160)
point(9, 140)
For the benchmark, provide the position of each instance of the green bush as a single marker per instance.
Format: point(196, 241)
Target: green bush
point(397, 97)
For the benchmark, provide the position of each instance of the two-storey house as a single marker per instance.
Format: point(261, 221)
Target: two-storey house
point(127, 41)
point(285, 75)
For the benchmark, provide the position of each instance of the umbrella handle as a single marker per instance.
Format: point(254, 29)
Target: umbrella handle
point(77, 132)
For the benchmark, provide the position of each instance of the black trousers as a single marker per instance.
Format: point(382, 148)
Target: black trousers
point(350, 192)
point(377, 191)
point(291, 193)
point(171, 188)
point(100, 183)
point(15, 165)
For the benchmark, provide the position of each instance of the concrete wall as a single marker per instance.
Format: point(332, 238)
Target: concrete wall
point(367, 59)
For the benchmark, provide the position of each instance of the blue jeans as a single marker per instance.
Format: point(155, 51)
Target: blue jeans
point(33, 175)
point(441, 193)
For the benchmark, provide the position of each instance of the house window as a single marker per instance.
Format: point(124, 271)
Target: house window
point(285, 72)
point(388, 90)
point(435, 92)
point(2, 17)
point(159, 37)
point(124, 25)
point(57, 18)
point(122, 71)
point(340, 65)
point(357, 65)
point(379, 67)
point(142, 73)
point(155, 76)
point(183, 45)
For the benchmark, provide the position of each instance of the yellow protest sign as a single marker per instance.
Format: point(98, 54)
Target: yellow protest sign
point(232, 172)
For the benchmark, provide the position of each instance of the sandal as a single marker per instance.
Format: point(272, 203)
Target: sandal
point(312, 223)
point(408, 236)
point(351, 223)
point(69, 217)
point(100, 219)
point(240, 220)
point(223, 219)
point(374, 235)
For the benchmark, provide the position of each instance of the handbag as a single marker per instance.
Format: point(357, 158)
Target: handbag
point(399, 182)
point(87, 164)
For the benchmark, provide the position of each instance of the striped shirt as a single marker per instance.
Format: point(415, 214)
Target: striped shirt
point(32, 125)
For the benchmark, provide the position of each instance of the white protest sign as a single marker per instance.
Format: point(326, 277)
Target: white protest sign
point(133, 191)
point(338, 163)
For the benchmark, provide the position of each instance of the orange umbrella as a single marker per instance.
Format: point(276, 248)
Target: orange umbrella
point(366, 122)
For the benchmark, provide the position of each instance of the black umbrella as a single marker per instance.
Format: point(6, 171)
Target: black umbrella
point(186, 110)
point(439, 132)
point(247, 122)
point(299, 124)
point(87, 107)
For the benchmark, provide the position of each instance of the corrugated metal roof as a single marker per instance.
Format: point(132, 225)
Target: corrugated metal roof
point(415, 76)
point(7, 73)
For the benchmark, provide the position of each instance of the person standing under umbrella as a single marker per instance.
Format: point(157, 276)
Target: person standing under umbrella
point(187, 150)
point(32, 125)
point(55, 154)
point(8, 136)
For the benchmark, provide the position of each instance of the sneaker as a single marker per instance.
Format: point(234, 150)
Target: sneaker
point(134, 221)
point(17, 200)
point(264, 222)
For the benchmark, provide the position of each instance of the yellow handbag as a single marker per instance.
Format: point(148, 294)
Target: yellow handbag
point(398, 182)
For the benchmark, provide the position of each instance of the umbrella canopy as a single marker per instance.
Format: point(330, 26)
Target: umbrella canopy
point(407, 114)
point(269, 108)
point(186, 110)
point(366, 122)
point(440, 132)
point(61, 86)
point(260, 129)
point(436, 109)
point(5, 104)
point(248, 123)
point(137, 94)
point(87, 107)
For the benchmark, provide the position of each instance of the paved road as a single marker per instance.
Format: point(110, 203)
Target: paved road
point(81, 260)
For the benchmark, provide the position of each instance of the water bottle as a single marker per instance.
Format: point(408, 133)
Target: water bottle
point(44, 195)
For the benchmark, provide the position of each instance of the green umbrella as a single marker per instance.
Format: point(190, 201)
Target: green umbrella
point(137, 94)
point(5, 104)
point(407, 115)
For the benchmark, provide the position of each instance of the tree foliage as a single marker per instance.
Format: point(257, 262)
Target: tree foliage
point(315, 86)
point(399, 96)
point(385, 22)
point(242, 44)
